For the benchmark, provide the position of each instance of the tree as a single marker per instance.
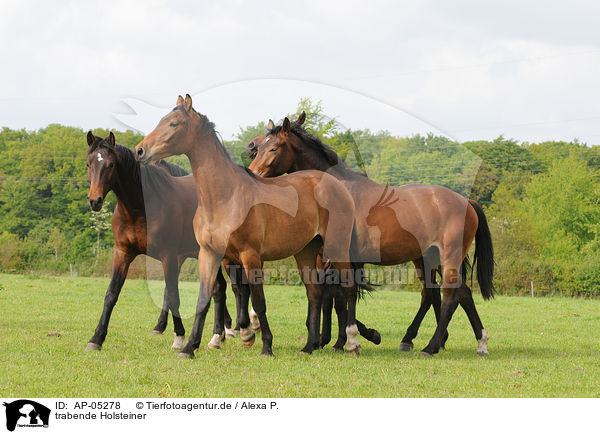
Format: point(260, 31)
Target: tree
point(100, 222)
point(317, 122)
point(57, 241)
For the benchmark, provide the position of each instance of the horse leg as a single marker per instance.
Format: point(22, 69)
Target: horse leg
point(307, 265)
point(467, 303)
point(171, 268)
point(228, 320)
point(253, 268)
point(327, 307)
point(406, 344)
point(350, 295)
point(209, 266)
point(228, 324)
point(235, 287)
point(451, 286)
point(120, 266)
point(436, 301)
point(237, 275)
point(163, 317)
point(220, 300)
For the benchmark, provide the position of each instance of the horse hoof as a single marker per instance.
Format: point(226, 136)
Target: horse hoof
point(157, 332)
point(178, 342)
point(230, 333)
point(249, 342)
point(93, 347)
point(183, 355)
point(406, 346)
point(266, 354)
point(425, 354)
point(376, 339)
point(215, 342)
point(306, 351)
point(355, 351)
point(482, 353)
point(254, 321)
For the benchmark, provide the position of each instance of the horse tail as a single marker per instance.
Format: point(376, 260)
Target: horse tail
point(484, 253)
point(363, 286)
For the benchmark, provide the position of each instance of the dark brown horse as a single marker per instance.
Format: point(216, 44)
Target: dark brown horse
point(248, 220)
point(431, 226)
point(153, 216)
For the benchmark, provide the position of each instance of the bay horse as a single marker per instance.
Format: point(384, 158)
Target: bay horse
point(432, 226)
point(248, 220)
point(153, 216)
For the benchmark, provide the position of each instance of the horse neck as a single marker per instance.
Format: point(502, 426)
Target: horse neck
point(215, 175)
point(128, 190)
point(306, 158)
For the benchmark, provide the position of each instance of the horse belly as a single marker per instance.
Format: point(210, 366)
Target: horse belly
point(391, 246)
point(286, 239)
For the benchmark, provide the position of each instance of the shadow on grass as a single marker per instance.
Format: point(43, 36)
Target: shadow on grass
point(533, 353)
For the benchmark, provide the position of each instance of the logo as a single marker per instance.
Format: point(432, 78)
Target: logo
point(26, 413)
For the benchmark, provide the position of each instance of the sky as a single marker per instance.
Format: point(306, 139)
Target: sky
point(468, 70)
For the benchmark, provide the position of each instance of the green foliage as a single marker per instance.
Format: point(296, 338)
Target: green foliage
point(317, 122)
point(541, 198)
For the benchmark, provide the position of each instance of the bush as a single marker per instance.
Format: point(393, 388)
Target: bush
point(587, 274)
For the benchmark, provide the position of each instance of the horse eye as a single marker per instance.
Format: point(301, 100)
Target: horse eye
point(272, 149)
point(87, 164)
point(110, 164)
point(173, 124)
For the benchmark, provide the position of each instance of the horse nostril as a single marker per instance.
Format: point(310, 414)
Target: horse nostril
point(140, 152)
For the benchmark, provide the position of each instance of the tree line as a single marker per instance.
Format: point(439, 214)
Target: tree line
point(542, 199)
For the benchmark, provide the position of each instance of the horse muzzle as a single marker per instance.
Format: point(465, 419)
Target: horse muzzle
point(95, 204)
point(142, 156)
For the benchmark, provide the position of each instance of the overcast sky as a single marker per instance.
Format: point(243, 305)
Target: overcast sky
point(470, 70)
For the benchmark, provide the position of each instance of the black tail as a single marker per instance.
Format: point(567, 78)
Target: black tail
point(484, 254)
point(363, 286)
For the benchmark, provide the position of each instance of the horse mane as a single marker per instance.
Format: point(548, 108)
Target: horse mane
point(317, 145)
point(129, 163)
point(208, 128)
point(173, 169)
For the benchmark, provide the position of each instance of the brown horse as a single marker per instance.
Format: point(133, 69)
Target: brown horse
point(431, 226)
point(153, 216)
point(248, 220)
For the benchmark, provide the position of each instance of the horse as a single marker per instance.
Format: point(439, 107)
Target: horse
point(153, 216)
point(248, 220)
point(432, 226)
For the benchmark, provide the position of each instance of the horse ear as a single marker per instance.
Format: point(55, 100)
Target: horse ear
point(301, 118)
point(285, 127)
point(270, 125)
point(187, 104)
point(91, 139)
point(179, 101)
point(111, 139)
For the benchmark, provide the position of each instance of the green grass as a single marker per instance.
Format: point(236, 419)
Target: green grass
point(539, 347)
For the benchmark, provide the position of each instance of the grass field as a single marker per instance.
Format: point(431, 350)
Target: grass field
point(539, 347)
